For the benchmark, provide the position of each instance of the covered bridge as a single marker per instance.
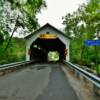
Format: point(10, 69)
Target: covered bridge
point(44, 40)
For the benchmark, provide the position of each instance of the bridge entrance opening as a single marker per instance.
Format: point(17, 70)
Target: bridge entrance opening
point(47, 49)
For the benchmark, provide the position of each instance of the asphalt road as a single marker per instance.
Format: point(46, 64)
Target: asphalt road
point(38, 82)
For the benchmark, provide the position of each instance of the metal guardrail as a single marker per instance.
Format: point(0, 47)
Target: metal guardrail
point(13, 65)
point(4, 65)
point(93, 78)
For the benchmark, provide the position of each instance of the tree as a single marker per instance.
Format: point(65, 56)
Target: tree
point(19, 15)
point(90, 15)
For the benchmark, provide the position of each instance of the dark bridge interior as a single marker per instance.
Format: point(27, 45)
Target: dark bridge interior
point(40, 48)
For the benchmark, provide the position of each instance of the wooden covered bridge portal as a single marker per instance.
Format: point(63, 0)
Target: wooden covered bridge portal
point(44, 40)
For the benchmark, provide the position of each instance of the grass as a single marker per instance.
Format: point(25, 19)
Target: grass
point(99, 68)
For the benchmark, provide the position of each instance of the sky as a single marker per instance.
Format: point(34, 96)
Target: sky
point(56, 9)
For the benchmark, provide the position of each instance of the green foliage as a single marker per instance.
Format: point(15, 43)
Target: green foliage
point(21, 12)
point(28, 10)
point(16, 51)
point(17, 16)
point(83, 23)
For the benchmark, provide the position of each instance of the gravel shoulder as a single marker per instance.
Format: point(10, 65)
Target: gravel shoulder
point(82, 90)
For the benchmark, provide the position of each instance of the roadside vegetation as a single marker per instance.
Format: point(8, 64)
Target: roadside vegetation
point(82, 25)
point(17, 16)
point(15, 52)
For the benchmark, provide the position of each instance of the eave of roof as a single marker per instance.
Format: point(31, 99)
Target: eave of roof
point(46, 25)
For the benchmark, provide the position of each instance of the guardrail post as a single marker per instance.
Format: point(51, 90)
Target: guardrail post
point(96, 90)
point(77, 74)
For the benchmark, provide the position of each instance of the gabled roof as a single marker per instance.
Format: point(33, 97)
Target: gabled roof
point(47, 25)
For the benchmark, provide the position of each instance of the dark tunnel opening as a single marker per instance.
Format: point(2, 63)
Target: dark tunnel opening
point(41, 47)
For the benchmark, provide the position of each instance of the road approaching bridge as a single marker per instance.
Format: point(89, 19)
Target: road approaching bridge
point(37, 82)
